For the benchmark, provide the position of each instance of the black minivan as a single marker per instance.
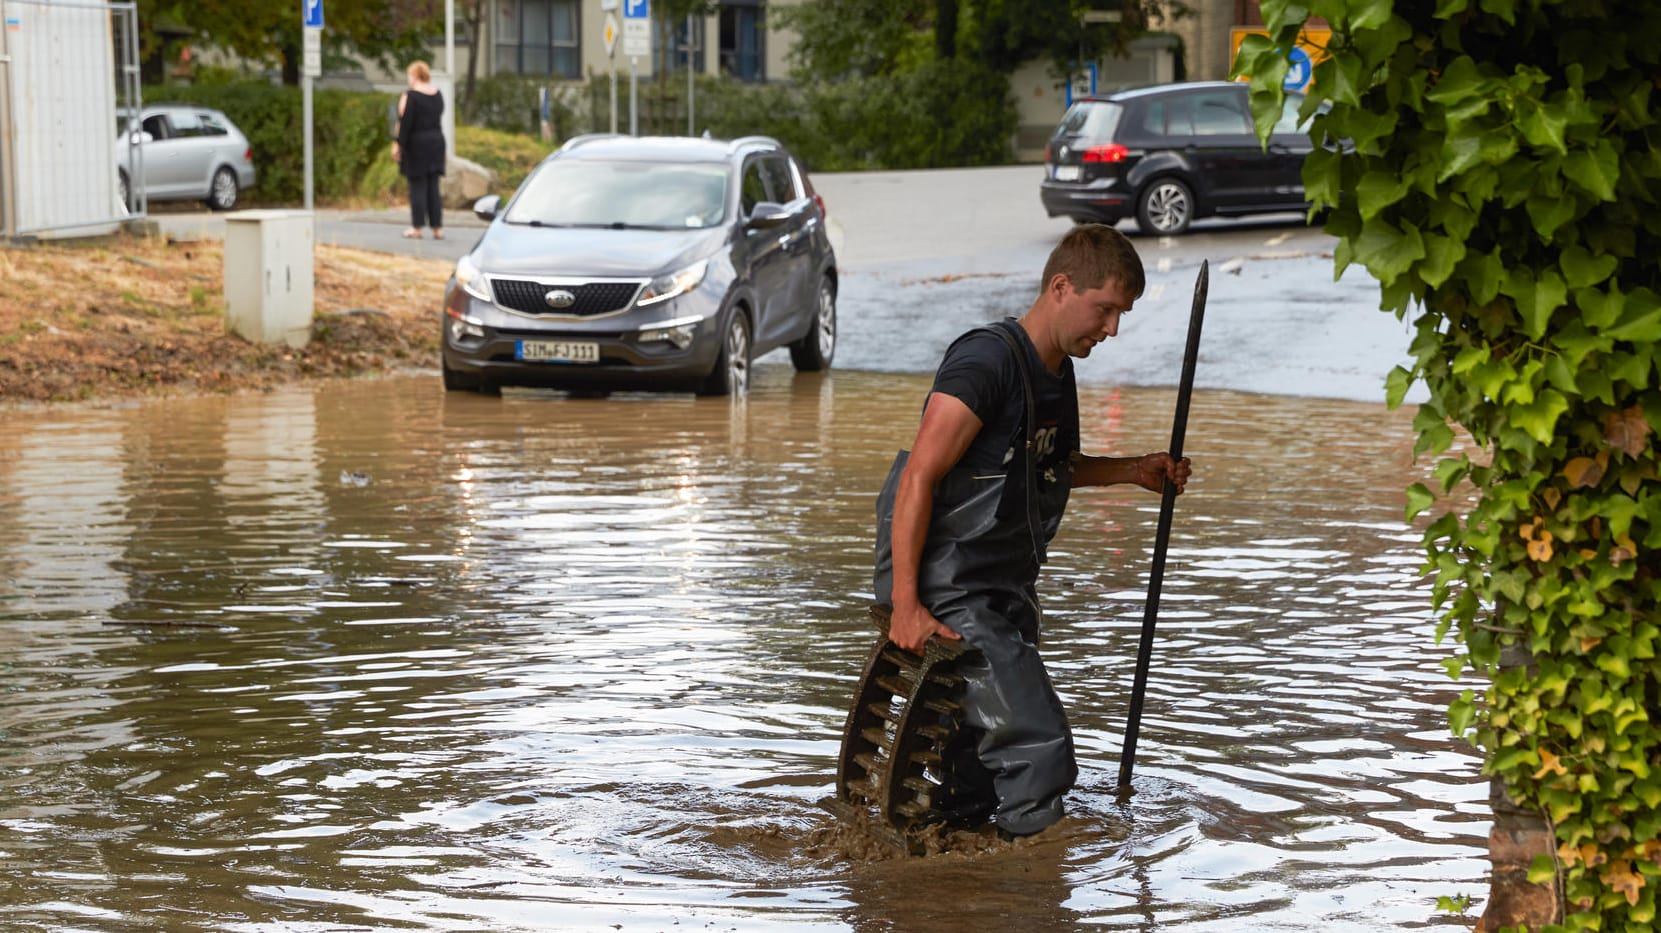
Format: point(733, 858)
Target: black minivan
point(1172, 153)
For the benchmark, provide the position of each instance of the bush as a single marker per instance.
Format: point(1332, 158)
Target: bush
point(509, 103)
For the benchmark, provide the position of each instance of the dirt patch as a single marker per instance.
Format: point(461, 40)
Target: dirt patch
point(132, 316)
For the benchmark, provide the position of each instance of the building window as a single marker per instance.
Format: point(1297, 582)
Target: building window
point(669, 46)
point(744, 40)
point(539, 37)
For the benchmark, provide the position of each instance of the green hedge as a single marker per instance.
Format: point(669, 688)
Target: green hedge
point(942, 114)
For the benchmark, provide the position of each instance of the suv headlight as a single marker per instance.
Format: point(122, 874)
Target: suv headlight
point(471, 280)
point(665, 287)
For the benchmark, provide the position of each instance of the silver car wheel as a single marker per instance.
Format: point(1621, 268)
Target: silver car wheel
point(1167, 206)
point(827, 320)
point(738, 356)
point(224, 190)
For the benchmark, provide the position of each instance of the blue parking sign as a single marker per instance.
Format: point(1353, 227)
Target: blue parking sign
point(634, 9)
point(311, 13)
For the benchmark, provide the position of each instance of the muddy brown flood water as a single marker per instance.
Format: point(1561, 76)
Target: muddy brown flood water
point(370, 657)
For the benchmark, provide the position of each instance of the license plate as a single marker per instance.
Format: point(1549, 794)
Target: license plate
point(1066, 173)
point(557, 351)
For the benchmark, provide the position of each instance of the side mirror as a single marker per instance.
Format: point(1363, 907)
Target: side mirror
point(486, 207)
point(767, 214)
point(141, 137)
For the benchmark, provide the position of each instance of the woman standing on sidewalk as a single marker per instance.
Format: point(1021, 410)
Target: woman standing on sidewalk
point(419, 150)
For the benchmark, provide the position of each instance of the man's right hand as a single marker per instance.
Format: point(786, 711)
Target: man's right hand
point(911, 626)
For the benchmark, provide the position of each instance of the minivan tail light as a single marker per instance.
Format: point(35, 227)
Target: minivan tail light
point(1113, 152)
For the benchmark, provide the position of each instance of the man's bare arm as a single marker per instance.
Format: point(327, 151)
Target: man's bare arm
point(1148, 471)
point(948, 427)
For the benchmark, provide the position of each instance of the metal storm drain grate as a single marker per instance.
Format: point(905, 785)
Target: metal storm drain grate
point(905, 710)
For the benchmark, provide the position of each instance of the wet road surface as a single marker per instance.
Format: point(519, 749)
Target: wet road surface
point(367, 656)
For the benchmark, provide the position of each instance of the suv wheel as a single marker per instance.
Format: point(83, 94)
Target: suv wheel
point(124, 190)
point(731, 375)
point(1165, 208)
point(813, 352)
point(222, 195)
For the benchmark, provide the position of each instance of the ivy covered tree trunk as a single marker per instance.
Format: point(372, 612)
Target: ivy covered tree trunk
point(1496, 165)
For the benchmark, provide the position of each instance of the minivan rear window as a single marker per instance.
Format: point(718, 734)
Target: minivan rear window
point(1092, 119)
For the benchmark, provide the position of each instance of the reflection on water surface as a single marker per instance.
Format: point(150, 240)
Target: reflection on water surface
point(367, 656)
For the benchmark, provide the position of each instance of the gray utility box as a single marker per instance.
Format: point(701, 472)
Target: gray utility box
point(268, 276)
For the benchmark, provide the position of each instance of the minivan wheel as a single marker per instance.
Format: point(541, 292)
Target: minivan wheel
point(222, 195)
point(813, 352)
point(731, 375)
point(125, 191)
point(1165, 208)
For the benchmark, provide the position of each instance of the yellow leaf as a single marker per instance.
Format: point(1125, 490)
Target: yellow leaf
point(1582, 472)
point(1587, 553)
point(1541, 550)
point(1568, 854)
point(1552, 495)
point(1623, 550)
point(1620, 877)
point(1587, 644)
point(1549, 764)
point(1527, 531)
point(1626, 431)
point(1631, 480)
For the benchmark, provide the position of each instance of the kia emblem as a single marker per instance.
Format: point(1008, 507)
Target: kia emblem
point(560, 298)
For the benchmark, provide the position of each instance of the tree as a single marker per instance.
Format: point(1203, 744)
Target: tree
point(389, 32)
point(871, 37)
point(1497, 167)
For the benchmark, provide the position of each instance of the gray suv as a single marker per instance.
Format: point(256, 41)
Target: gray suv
point(644, 263)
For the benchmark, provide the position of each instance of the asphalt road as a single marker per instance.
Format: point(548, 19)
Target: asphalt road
point(926, 254)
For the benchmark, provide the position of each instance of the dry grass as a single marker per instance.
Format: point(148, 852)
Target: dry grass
point(125, 316)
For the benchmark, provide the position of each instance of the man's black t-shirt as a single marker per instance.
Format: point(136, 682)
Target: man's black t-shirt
point(980, 372)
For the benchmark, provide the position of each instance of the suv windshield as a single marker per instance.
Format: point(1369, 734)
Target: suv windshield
point(580, 193)
point(1092, 119)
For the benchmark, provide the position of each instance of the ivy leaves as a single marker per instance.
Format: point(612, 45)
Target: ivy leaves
point(1496, 165)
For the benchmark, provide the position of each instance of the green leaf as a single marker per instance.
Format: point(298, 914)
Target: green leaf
point(1252, 46)
point(1581, 268)
point(1595, 170)
point(1371, 14)
point(1548, 213)
point(1322, 176)
point(1483, 273)
point(1536, 299)
point(1419, 498)
point(1542, 124)
point(1395, 386)
point(1460, 79)
point(1600, 308)
point(1504, 9)
point(1640, 319)
point(1377, 190)
point(1441, 255)
point(1388, 252)
point(1543, 868)
point(1539, 418)
point(1445, 9)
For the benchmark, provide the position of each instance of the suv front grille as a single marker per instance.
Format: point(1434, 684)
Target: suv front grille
point(529, 297)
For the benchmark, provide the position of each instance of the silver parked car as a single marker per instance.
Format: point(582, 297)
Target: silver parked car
point(182, 153)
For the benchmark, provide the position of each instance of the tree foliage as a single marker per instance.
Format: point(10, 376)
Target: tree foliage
point(1499, 173)
point(390, 32)
point(872, 37)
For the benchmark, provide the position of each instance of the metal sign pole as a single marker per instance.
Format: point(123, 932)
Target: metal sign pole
point(689, 86)
point(1162, 537)
point(311, 65)
point(634, 99)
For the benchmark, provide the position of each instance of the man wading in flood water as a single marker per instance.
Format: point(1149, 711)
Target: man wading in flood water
point(977, 499)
